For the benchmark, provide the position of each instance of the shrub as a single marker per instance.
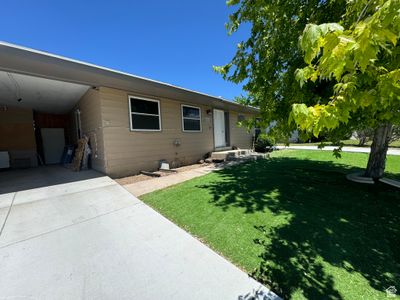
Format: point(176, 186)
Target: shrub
point(264, 143)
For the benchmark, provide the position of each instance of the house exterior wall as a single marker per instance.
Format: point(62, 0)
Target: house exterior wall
point(91, 126)
point(18, 136)
point(128, 152)
point(239, 136)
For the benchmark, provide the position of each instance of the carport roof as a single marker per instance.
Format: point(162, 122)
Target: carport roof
point(22, 60)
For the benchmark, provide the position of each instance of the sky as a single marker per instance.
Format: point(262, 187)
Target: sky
point(173, 41)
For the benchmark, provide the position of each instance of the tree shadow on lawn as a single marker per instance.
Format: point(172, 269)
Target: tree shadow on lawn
point(329, 219)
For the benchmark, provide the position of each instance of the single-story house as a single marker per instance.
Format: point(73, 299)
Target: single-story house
point(48, 101)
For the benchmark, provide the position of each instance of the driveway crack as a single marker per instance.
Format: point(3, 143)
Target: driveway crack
point(68, 225)
point(8, 213)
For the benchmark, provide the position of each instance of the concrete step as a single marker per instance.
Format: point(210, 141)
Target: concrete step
point(233, 154)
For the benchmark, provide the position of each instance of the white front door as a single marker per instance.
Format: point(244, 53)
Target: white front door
point(219, 128)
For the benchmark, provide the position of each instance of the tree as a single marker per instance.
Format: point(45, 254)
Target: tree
point(361, 57)
point(349, 74)
point(395, 134)
point(267, 60)
point(364, 135)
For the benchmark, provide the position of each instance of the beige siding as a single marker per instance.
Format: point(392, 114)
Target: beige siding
point(128, 152)
point(240, 137)
point(91, 126)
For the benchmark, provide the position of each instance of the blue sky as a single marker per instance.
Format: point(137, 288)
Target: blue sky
point(173, 41)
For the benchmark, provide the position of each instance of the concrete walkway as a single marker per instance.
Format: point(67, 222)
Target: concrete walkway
point(91, 239)
point(391, 151)
point(147, 186)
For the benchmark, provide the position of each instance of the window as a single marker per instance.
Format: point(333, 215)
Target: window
point(191, 118)
point(144, 114)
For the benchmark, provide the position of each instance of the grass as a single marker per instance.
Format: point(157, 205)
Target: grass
point(395, 144)
point(296, 224)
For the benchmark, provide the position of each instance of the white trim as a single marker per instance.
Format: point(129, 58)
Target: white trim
point(197, 119)
point(144, 114)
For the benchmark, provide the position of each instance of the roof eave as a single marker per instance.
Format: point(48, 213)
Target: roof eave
point(28, 61)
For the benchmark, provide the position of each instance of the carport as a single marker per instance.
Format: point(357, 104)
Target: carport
point(38, 118)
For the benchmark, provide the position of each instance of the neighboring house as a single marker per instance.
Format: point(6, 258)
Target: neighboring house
point(47, 101)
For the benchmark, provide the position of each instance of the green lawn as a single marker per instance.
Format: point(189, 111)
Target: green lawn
point(296, 224)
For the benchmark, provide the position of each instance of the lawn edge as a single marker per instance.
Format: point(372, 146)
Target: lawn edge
point(206, 244)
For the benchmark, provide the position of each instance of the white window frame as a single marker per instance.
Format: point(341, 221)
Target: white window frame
point(143, 114)
point(197, 119)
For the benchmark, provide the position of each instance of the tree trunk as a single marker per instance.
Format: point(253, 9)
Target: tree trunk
point(362, 140)
point(379, 147)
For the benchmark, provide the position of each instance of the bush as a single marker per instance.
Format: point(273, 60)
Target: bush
point(264, 143)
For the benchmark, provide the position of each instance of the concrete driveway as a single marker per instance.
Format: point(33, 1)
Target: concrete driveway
point(91, 239)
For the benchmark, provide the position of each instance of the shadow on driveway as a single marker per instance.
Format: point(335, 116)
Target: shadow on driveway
point(30, 178)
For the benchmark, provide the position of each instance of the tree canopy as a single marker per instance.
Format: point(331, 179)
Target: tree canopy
point(322, 67)
point(266, 62)
point(361, 58)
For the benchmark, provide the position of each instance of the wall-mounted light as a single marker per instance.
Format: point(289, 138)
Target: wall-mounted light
point(208, 111)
